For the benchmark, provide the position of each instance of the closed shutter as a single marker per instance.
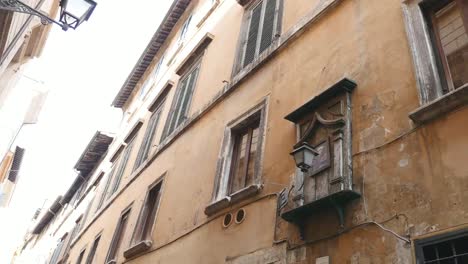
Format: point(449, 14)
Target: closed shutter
point(182, 100)
point(187, 96)
point(175, 110)
point(15, 166)
point(268, 25)
point(123, 165)
point(148, 139)
point(252, 35)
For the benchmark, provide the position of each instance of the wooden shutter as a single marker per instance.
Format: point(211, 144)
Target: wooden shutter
point(123, 165)
point(148, 139)
point(268, 25)
point(252, 35)
point(15, 166)
point(187, 96)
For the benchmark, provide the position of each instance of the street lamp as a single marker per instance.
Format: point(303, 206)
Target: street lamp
point(303, 156)
point(72, 12)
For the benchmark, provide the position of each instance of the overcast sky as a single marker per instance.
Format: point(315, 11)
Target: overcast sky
point(83, 71)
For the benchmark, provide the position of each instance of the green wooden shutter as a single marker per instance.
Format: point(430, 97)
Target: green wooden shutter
point(268, 25)
point(252, 35)
point(188, 95)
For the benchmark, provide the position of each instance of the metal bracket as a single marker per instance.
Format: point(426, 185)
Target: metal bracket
point(18, 6)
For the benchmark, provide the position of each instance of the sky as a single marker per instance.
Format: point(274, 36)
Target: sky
point(83, 70)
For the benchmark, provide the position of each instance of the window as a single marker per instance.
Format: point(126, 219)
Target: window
point(77, 228)
point(122, 164)
point(448, 23)
point(106, 187)
point(81, 256)
point(181, 103)
point(185, 28)
point(451, 248)
point(239, 165)
point(437, 34)
point(261, 27)
point(58, 249)
point(118, 236)
point(150, 80)
point(92, 252)
point(149, 136)
point(148, 214)
point(245, 151)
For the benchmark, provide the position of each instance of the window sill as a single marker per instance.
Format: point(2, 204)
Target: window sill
point(440, 106)
point(227, 201)
point(138, 248)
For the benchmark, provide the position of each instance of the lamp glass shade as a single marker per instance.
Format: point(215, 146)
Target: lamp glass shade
point(74, 12)
point(304, 156)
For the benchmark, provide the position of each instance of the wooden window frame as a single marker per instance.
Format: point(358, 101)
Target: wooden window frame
point(430, 81)
point(176, 117)
point(93, 249)
point(146, 222)
point(81, 255)
point(184, 29)
point(429, 9)
point(104, 193)
point(237, 135)
point(124, 159)
point(151, 78)
point(150, 133)
point(224, 167)
point(244, 32)
point(116, 243)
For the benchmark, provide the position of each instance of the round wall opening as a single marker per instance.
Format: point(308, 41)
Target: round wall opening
point(227, 220)
point(240, 216)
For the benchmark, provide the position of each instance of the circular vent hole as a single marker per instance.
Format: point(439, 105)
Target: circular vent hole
point(240, 216)
point(227, 220)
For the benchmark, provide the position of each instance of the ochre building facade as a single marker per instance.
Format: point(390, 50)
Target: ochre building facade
point(201, 171)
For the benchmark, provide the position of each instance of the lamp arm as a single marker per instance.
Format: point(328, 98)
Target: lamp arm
point(18, 6)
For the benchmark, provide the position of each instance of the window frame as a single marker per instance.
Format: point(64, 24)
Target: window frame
point(237, 134)
point(142, 222)
point(150, 134)
point(168, 128)
point(244, 32)
point(93, 249)
point(124, 158)
point(117, 239)
point(429, 9)
point(420, 243)
point(224, 166)
point(429, 79)
point(81, 255)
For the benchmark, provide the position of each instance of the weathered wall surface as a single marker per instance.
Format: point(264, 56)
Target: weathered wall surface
point(411, 178)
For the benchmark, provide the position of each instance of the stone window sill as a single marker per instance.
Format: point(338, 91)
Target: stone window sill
point(238, 196)
point(440, 106)
point(138, 248)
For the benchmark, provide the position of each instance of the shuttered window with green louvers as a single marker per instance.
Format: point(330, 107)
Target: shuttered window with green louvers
point(181, 103)
point(263, 26)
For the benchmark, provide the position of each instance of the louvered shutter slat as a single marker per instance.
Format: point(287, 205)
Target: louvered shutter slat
point(268, 25)
point(252, 36)
point(188, 95)
point(16, 165)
